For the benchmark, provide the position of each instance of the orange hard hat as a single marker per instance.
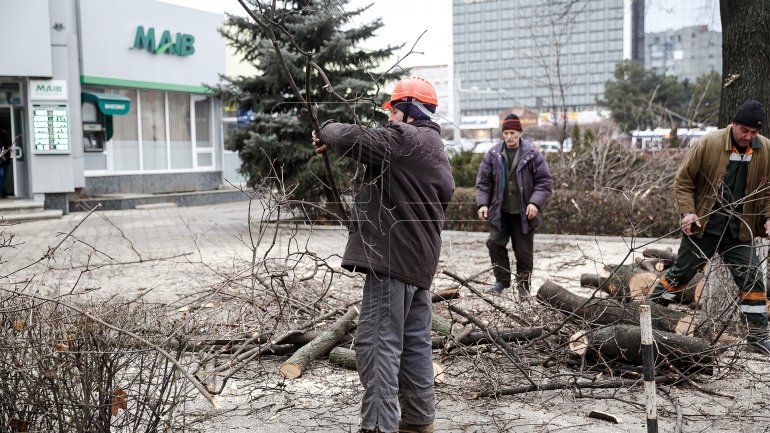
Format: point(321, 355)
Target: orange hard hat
point(413, 87)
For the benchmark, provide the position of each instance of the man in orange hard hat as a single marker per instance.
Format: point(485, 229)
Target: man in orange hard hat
point(395, 239)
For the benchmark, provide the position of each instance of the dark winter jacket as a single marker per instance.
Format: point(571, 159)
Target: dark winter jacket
point(396, 223)
point(532, 174)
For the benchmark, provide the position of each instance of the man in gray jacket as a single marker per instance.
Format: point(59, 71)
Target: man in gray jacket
point(512, 187)
point(395, 238)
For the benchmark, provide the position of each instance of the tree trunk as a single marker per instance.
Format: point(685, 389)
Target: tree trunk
point(296, 365)
point(607, 311)
point(622, 343)
point(745, 53)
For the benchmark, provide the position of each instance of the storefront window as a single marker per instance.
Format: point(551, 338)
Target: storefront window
point(125, 137)
point(154, 154)
point(181, 145)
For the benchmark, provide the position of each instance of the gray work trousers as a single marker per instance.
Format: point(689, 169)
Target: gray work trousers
point(393, 355)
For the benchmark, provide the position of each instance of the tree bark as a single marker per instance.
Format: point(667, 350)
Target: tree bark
point(571, 384)
point(667, 255)
point(296, 365)
point(625, 284)
point(443, 326)
point(446, 295)
point(745, 54)
point(607, 311)
point(622, 343)
point(651, 264)
point(481, 337)
point(342, 357)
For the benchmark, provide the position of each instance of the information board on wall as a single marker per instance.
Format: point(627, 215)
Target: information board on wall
point(50, 128)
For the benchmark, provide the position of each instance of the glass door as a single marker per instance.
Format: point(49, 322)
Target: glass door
point(19, 150)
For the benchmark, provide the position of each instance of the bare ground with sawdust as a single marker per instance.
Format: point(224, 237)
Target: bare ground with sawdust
point(202, 253)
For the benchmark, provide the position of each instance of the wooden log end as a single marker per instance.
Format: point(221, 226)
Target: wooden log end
point(438, 373)
point(640, 285)
point(685, 326)
point(606, 416)
point(579, 343)
point(590, 280)
point(290, 370)
point(446, 295)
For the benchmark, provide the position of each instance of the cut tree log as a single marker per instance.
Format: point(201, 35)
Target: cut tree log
point(443, 326)
point(625, 284)
point(607, 311)
point(622, 343)
point(342, 357)
point(651, 264)
point(298, 362)
point(446, 295)
point(666, 255)
point(480, 337)
point(691, 294)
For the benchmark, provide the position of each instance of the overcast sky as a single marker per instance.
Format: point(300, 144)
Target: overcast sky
point(405, 20)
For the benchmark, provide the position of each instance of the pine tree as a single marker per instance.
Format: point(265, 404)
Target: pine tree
point(279, 135)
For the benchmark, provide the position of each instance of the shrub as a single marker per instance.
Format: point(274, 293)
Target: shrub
point(648, 213)
point(465, 166)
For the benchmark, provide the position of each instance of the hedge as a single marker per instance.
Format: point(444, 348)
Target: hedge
point(650, 213)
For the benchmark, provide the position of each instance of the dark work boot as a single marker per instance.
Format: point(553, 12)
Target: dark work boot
point(523, 286)
point(760, 346)
point(499, 287)
point(404, 427)
point(657, 296)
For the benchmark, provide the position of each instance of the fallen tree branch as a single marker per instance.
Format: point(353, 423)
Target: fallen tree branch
point(552, 386)
point(297, 364)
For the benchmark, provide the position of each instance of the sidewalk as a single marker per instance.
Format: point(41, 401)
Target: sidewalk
point(171, 250)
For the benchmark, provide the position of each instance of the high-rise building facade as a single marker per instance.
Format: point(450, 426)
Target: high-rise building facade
point(685, 53)
point(547, 56)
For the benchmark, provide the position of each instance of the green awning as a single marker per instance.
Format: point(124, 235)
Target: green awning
point(109, 103)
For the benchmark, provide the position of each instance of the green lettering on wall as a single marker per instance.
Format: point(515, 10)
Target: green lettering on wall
point(145, 41)
point(182, 46)
point(185, 43)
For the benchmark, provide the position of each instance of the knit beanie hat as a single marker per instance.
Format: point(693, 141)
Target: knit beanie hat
point(750, 114)
point(511, 122)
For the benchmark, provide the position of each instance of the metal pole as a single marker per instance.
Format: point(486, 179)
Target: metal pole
point(648, 360)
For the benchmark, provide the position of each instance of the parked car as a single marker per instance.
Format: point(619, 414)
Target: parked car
point(483, 147)
point(453, 148)
point(552, 146)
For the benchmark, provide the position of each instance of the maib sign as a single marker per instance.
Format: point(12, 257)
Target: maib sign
point(180, 45)
point(47, 90)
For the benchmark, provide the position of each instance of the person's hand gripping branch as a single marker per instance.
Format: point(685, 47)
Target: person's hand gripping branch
point(319, 147)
